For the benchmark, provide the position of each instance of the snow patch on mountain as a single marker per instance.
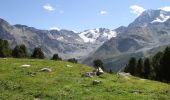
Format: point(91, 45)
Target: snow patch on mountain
point(162, 18)
point(97, 34)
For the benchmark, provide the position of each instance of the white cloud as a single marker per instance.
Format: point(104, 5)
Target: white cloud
point(103, 12)
point(48, 7)
point(54, 28)
point(137, 9)
point(166, 8)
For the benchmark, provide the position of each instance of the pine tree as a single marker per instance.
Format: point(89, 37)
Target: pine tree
point(139, 68)
point(38, 53)
point(24, 50)
point(147, 68)
point(165, 65)
point(156, 65)
point(56, 57)
point(130, 68)
point(20, 51)
point(5, 50)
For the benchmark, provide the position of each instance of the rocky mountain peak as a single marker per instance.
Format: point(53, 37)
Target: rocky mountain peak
point(150, 16)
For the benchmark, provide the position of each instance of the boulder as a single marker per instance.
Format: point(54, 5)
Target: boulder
point(95, 82)
point(98, 71)
point(69, 66)
point(46, 70)
point(123, 74)
point(25, 66)
point(89, 74)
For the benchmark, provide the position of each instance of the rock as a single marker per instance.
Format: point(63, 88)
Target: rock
point(95, 82)
point(142, 79)
point(98, 71)
point(25, 66)
point(46, 70)
point(69, 66)
point(5, 58)
point(37, 99)
point(123, 74)
point(89, 74)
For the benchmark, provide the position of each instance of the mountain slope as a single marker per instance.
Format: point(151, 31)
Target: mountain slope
point(67, 43)
point(141, 36)
point(28, 83)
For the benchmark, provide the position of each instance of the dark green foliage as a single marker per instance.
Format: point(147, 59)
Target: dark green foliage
point(98, 63)
point(20, 51)
point(72, 60)
point(56, 57)
point(147, 68)
point(156, 65)
point(5, 50)
point(38, 53)
point(158, 69)
point(130, 68)
point(165, 65)
point(139, 70)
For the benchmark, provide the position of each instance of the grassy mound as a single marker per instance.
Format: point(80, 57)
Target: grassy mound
point(64, 82)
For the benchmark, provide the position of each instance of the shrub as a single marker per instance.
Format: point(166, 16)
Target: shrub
point(38, 53)
point(72, 60)
point(56, 57)
point(20, 51)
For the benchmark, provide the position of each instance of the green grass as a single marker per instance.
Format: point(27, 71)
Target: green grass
point(66, 83)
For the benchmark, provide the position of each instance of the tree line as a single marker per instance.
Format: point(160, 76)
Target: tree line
point(20, 51)
point(154, 68)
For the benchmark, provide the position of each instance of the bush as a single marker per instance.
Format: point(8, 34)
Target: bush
point(72, 60)
point(98, 63)
point(38, 53)
point(56, 57)
point(20, 51)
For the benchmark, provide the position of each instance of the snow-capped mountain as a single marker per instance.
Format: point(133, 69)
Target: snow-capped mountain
point(162, 18)
point(67, 43)
point(149, 17)
point(143, 37)
point(97, 35)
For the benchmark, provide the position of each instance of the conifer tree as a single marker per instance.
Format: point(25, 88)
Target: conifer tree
point(38, 53)
point(147, 68)
point(130, 68)
point(5, 50)
point(139, 68)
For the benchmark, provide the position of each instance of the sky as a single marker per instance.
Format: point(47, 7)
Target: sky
point(77, 15)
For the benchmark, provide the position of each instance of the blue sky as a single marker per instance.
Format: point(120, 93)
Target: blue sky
point(76, 15)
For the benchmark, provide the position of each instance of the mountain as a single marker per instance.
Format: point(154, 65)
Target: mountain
point(151, 16)
point(97, 35)
point(149, 32)
point(65, 42)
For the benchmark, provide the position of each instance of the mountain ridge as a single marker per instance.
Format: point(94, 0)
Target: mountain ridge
point(65, 42)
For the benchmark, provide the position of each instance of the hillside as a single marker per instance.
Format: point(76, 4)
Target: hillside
point(64, 82)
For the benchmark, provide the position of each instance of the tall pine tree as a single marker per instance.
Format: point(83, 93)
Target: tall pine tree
point(147, 68)
point(165, 65)
point(130, 68)
point(5, 50)
point(139, 68)
point(38, 53)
